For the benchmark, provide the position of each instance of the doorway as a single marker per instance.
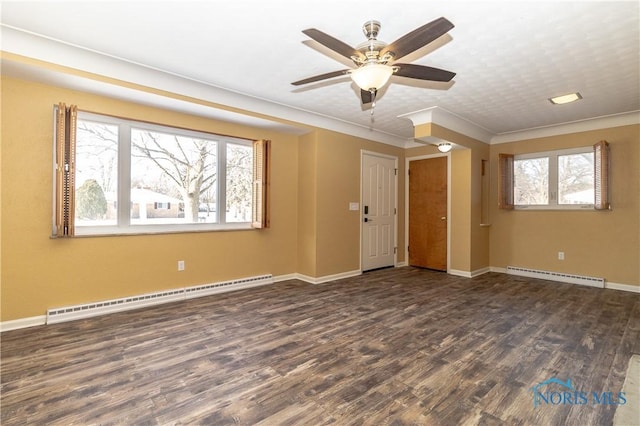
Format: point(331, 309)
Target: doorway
point(378, 211)
point(428, 213)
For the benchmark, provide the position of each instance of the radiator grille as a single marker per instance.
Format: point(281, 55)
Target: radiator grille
point(556, 276)
point(69, 313)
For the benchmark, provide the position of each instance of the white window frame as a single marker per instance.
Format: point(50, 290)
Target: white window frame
point(553, 179)
point(124, 225)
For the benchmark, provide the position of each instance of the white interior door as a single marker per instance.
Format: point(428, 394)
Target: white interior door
point(379, 183)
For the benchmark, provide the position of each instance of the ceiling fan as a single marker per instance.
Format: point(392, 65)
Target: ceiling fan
point(375, 60)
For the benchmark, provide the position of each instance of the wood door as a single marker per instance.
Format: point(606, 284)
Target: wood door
point(428, 213)
point(378, 211)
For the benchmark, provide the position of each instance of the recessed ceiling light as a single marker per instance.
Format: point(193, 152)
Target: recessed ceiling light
point(565, 99)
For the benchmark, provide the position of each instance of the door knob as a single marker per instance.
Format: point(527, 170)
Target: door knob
point(443, 218)
point(366, 219)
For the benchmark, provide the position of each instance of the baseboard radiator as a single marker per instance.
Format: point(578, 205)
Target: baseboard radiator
point(69, 313)
point(556, 276)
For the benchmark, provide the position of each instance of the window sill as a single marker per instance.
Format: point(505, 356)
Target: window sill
point(83, 232)
point(583, 207)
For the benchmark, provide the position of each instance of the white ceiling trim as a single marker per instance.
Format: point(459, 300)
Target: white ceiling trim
point(442, 117)
point(617, 120)
point(21, 70)
point(451, 121)
point(53, 51)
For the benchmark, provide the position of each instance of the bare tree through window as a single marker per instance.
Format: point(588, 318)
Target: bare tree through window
point(188, 164)
point(575, 178)
point(96, 173)
point(531, 181)
point(179, 177)
point(239, 182)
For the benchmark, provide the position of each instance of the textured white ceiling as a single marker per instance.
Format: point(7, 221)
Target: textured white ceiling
point(509, 56)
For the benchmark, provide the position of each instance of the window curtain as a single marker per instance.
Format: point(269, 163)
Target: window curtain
point(66, 124)
point(261, 183)
point(505, 181)
point(601, 176)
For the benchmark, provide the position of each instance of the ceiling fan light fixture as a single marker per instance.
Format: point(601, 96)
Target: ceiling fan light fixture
point(444, 147)
point(565, 99)
point(372, 76)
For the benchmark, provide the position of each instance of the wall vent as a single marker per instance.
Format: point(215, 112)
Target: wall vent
point(88, 310)
point(556, 276)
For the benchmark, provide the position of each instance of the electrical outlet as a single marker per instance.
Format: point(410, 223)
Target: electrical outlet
point(560, 255)
point(180, 265)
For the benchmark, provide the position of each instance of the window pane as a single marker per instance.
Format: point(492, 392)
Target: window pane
point(239, 182)
point(531, 181)
point(173, 178)
point(575, 178)
point(96, 174)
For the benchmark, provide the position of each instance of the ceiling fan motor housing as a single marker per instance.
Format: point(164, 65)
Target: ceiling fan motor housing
point(371, 29)
point(371, 48)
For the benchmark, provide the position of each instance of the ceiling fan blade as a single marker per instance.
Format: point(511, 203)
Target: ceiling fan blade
point(367, 96)
point(418, 38)
point(333, 43)
point(422, 72)
point(320, 77)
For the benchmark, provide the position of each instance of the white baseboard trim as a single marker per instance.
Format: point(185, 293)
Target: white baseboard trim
point(401, 264)
point(285, 277)
point(105, 307)
point(467, 274)
point(23, 323)
point(457, 273)
point(623, 287)
point(42, 319)
point(327, 278)
point(480, 271)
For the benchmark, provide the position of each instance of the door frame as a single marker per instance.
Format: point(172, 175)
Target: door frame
point(364, 152)
point(408, 160)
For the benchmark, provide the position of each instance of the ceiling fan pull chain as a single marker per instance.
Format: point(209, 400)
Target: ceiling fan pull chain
point(373, 100)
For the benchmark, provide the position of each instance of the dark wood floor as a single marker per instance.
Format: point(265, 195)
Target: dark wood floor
point(391, 347)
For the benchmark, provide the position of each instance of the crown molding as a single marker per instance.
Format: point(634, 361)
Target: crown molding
point(596, 123)
point(121, 74)
point(62, 64)
point(41, 75)
point(450, 120)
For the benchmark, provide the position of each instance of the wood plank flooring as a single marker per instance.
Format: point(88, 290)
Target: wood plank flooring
point(399, 346)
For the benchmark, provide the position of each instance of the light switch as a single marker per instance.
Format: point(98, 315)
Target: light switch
point(354, 206)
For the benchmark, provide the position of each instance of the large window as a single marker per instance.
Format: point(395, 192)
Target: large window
point(134, 177)
point(563, 179)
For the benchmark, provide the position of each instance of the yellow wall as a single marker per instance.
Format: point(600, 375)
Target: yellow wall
point(596, 243)
point(313, 232)
point(460, 258)
point(307, 204)
point(338, 231)
point(314, 177)
point(469, 174)
point(40, 273)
